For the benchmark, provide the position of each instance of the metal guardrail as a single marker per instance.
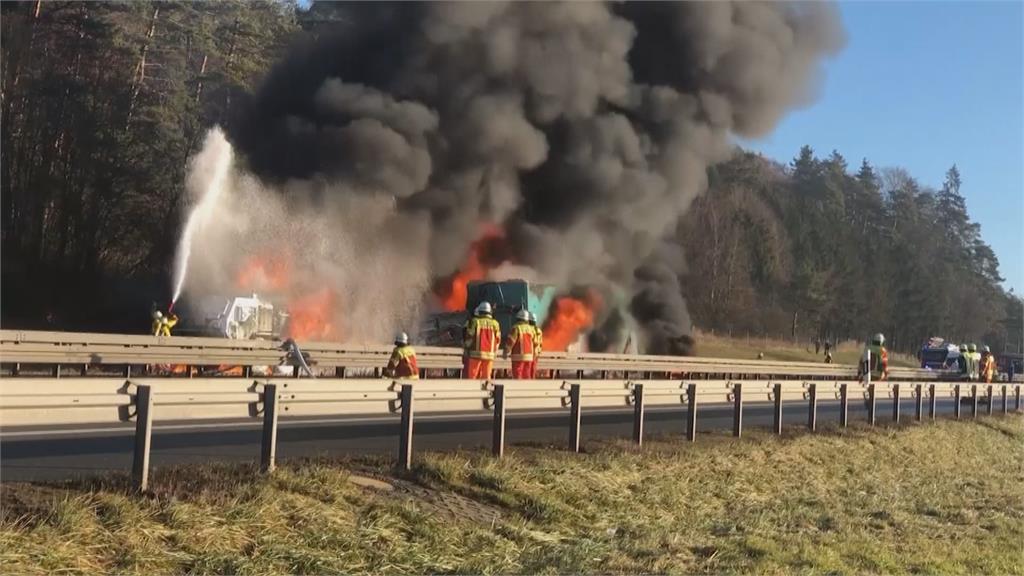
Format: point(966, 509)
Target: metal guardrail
point(62, 401)
point(18, 348)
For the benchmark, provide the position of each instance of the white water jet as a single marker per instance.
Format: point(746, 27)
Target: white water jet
point(208, 177)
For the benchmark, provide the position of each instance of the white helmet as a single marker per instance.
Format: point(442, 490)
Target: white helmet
point(157, 315)
point(879, 339)
point(987, 349)
point(533, 318)
point(483, 308)
point(523, 315)
point(401, 338)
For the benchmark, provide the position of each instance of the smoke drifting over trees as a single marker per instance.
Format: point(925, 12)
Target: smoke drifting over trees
point(585, 130)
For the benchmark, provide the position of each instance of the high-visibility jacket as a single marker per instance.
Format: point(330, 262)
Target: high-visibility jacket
point(538, 340)
point(973, 365)
point(403, 363)
point(520, 342)
point(162, 326)
point(481, 337)
point(879, 362)
point(988, 366)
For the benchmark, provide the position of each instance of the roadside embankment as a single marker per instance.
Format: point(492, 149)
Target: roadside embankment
point(937, 498)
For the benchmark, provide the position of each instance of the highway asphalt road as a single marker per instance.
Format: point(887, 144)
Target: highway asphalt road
point(68, 452)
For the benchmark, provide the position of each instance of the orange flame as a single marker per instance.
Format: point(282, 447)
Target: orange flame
point(488, 251)
point(311, 316)
point(263, 274)
point(567, 318)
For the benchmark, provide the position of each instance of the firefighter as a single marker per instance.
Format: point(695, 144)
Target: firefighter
point(879, 359)
point(162, 324)
point(538, 344)
point(403, 360)
point(988, 365)
point(961, 361)
point(973, 362)
point(519, 344)
point(480, 340)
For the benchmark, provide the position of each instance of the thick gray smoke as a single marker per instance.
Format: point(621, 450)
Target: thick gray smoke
point(583, 129)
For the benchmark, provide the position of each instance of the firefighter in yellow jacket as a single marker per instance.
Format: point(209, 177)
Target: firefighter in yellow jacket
point(519, 344)
point(402, 363)
point(480, 340)
point(162, 324)
point(878, 365)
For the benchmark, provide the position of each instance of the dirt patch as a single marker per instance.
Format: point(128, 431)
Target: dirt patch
point(450, 504)
point(371, 483)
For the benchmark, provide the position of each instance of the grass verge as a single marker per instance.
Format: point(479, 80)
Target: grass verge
point(747, 348)
point(942, 498)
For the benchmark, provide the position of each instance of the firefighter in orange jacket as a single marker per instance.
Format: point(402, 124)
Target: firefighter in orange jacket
point(538, 344)
point(520, 345)
point(988, 365)
point(403, 360)
point(480, 341)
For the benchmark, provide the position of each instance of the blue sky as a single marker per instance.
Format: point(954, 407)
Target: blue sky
point(924, 85)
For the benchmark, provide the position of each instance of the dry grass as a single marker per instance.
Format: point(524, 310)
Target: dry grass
point(942, 498)
point(717, 346)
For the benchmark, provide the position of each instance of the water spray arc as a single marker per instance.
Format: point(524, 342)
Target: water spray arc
point(216, 172)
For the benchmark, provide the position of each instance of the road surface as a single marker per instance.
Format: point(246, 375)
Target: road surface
point(56, 453)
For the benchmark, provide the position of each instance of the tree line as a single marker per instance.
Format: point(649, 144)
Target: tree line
point(817, 250)
point(102, 104)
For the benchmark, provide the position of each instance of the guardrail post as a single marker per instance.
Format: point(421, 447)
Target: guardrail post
point(405, 433)
point(737, 410)
point(871, 404)
point(931, 401)
point(956, 401)
point(919, 412)
point(990, 398)
point(143, 436)
point(812, 407)
point(691, 410)
point(574, 415)
point(638, 414)
point(974, 400)
point(498, 433)
point(777, 392)
point(268, 447)
point(896, 403)
point(844, 404)
point(1005, 398)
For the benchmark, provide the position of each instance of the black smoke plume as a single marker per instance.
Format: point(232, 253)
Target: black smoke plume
point(584, 129)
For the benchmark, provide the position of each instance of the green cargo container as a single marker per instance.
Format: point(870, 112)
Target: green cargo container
point(508, 296)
